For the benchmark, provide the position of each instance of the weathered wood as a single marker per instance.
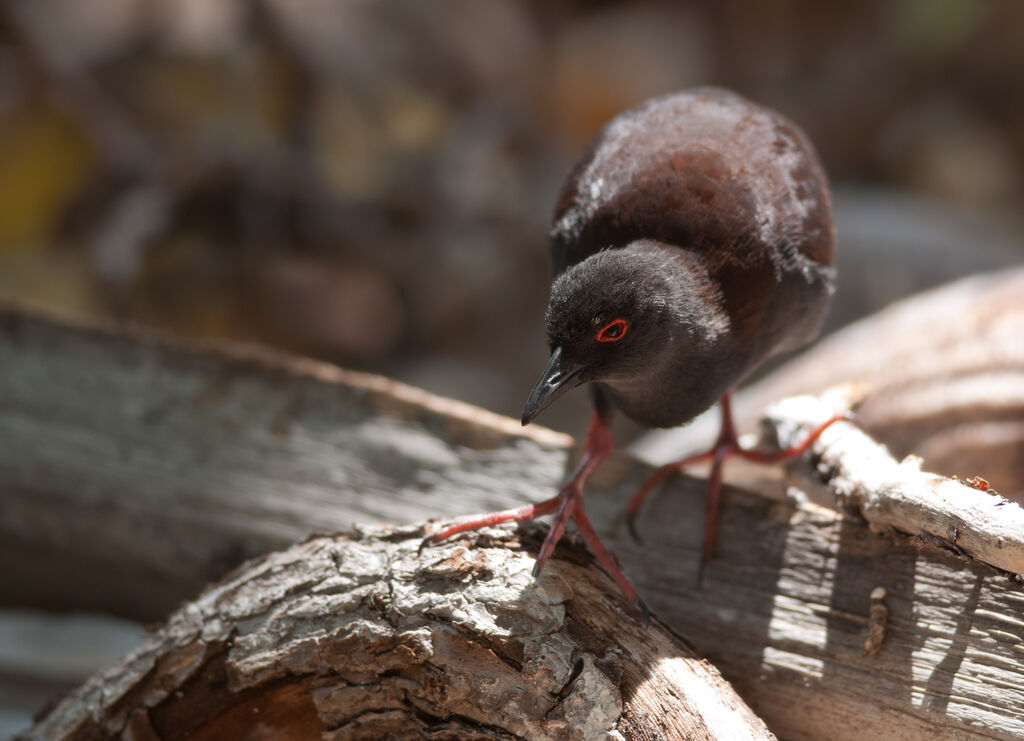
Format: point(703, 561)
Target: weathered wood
point(941, 376)
point(785, 610)
point(239, 453)
point(891, 494)
point(190, 460)
point(360, 636)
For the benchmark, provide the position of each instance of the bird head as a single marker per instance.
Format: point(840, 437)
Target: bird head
point(609, 320)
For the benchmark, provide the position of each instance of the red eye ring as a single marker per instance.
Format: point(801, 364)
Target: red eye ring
point(613, 331)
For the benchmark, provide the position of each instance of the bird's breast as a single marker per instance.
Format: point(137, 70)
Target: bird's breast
point(675, 394)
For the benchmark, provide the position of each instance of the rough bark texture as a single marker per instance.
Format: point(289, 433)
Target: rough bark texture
point(240, 453)
point(969, 518)
point(786, 607)
point(361, 637)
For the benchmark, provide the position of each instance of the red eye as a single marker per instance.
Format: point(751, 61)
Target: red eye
point(613, 331)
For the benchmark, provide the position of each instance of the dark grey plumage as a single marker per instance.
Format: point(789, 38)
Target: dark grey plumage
point(705, 221)
point(692, 241)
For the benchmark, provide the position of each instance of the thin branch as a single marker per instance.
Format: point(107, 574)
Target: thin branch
point(968, 519)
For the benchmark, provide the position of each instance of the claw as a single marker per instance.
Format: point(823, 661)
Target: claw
point(701, 571)
point(631, 528)
point(566, 505)
point(645, 614)
point(625, 519)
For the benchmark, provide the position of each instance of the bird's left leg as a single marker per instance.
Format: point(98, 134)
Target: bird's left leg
point(726, 446)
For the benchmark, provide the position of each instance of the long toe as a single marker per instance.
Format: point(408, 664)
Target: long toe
point(565, 511)
point(603, 555)
point(631, 529)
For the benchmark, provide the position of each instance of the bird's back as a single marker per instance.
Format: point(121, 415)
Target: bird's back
point(731, 183)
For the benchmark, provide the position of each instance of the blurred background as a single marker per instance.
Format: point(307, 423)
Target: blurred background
point(370, 182)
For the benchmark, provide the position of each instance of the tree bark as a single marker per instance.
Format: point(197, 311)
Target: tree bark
point(362, 637)
point(967, 518)
point(134, 470)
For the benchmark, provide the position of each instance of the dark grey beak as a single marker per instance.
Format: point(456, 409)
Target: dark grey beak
point(558, 378)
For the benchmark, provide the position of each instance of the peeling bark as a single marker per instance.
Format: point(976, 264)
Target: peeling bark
point(897, 495)
point(361, 636)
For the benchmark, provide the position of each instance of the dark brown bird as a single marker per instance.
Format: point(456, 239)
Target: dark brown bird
point(692, 241)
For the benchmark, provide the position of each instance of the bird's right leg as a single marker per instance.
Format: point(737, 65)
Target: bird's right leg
point(566, 505)
point(598, 446)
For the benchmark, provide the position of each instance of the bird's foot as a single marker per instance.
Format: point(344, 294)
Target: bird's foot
point(793, 451)
point(725, 447)
point(632, 510)
point(598, 446)
point(604, 557)
point(566, 505)
point(475, 522)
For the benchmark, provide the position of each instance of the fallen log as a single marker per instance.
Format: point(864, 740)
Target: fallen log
point(188, 459)
point(361, 636)
point(134, 470)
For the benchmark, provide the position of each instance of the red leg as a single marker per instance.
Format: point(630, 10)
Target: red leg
point(721, 452)
point(637, 500)
point(794, 451)
point(568, 504)
point(725, 446)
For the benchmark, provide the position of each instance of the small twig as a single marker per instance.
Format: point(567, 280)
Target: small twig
point(878, 619)
point(898, 494)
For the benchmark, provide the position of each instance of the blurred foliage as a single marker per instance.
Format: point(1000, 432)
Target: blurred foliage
point(44, 159)
point(371, 182)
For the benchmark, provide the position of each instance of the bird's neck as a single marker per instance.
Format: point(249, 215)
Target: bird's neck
point(695, 364)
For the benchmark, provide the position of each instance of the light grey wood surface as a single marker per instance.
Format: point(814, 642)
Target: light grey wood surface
point(133, 470)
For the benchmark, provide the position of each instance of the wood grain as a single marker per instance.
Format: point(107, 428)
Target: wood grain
point(966, 518)
point(189, 460)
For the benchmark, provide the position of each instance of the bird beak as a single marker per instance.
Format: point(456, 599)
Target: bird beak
point(558, 378)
